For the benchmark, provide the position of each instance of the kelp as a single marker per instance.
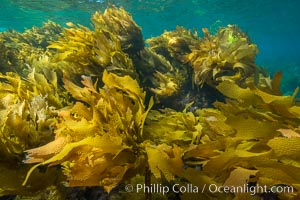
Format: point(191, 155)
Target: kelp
point(28, 113)
point(107, 132)
point(91, 52)
point(228, 55)
point(19, 50)
point(158, 74)
point(12, 177)
point(27, 110)
point(171, 127)
point(82, 114)
point(260, 137)
point(174, 44)
point(120, 23)
point(170, 47)
point(251, 139)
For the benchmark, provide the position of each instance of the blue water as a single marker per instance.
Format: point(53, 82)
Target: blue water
point(272, 24)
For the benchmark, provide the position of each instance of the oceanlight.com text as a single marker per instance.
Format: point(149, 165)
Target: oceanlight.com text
point(213, 188)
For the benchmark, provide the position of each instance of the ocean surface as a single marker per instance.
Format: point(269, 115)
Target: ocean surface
point(272, 24)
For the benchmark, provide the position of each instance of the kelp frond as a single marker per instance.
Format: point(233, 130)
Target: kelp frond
point(19, 50)
point(107, 132)
point(228, 55)
point(120, 23)
point(28, 110)
point(91, 52)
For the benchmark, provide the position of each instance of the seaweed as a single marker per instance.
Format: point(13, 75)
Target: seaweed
point(91, 52)
point(28, 110)
point(107, 133)
point(120, 23)
point(19, 50)
point(96, 107)
point(228, 55)
point(246, 138)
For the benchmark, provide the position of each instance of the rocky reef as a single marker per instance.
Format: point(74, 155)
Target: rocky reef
point(87, 111)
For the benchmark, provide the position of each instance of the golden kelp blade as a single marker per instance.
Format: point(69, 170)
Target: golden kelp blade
point(120, 23)
point(171, 127)
point(165, 161)
point(19, 51)
point(104, 48)
point(97, 153)
point(95, 142)
point(229, 55)
point(34, 99)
